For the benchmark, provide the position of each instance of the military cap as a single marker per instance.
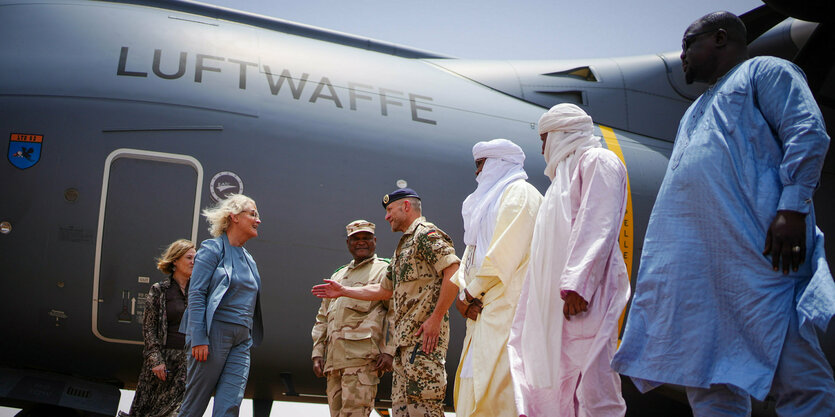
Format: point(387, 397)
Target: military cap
point(399, 194)
point(357, 226)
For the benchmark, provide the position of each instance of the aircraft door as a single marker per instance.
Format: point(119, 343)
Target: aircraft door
point(149, 199)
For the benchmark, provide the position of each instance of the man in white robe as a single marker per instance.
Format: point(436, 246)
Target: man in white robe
point(498, 224)
point(562, 367)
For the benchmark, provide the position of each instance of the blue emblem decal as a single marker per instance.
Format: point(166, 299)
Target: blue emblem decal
point(25, 150)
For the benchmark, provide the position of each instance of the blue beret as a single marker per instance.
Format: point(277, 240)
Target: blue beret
point(399, 194)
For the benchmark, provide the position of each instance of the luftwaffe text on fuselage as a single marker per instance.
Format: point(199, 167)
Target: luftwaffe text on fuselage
point(324, 90)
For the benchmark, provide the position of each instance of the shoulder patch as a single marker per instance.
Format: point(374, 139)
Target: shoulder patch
point(386, 260)
point(339, 269)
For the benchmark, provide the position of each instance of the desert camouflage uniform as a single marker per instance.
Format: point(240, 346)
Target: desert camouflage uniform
point(415, 276)
point(349, 334)
point(351, 390)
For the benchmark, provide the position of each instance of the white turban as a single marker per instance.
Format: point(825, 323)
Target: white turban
point(565, 117)
point(569, 131)
point(499, 148)
point(502, 167)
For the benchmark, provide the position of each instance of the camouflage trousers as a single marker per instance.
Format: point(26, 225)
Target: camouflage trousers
point(351, 391)
point(418, 388)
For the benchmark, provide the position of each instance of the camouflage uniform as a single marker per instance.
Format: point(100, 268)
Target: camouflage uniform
point(415, 277)
point(351, 390)
point(349, 334)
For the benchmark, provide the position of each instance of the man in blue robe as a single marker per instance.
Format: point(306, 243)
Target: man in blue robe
point(733, 273)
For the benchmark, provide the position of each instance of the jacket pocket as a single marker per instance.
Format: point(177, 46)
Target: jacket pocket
point(358, 348)
point(368, 378)
point(359, 306)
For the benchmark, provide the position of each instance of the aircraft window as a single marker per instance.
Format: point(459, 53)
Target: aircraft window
point(574, 97)
point(582, 73)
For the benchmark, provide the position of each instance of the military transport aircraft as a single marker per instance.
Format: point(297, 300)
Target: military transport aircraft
point(125, 118)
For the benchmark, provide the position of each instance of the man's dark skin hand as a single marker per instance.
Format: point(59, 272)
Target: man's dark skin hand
point(469, 311)
point(319, 367)
point(384, 363)
point(474, 310)
point(574, 304)
point(786, 233)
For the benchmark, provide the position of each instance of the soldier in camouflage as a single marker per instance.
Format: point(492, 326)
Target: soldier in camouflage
point(418, 280)
point(350, 346)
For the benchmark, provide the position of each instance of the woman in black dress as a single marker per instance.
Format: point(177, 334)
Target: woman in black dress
point(162, 380)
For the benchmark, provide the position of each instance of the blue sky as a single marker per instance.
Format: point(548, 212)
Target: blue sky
point(504, 29)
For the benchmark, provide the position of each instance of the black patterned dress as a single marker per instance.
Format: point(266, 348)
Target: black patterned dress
point(164, 308)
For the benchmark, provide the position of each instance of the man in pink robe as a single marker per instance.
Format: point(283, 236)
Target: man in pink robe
point(564, 333)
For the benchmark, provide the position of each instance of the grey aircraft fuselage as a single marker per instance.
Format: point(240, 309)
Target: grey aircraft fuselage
point(142, 114)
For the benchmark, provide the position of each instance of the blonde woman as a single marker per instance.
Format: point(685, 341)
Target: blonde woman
point(162, 381)
point(223, 320)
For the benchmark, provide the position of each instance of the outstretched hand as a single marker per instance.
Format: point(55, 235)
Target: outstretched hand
point(786, 240)
point(330, 289)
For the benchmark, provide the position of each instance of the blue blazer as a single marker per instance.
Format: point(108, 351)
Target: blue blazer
point(210, 280)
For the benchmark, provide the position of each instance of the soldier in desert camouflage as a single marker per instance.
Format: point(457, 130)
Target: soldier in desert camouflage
point(350, 346)
point(418, 281)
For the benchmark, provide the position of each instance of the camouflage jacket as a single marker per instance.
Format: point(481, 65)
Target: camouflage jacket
point(155, 323)
point(351, 332)
point(415, 276)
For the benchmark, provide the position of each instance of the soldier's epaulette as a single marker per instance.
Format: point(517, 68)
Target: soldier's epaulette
point(386, 260)
point(340, 268)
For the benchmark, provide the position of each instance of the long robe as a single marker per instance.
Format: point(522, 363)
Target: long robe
point(488, 392)
point(577, 352)
point(708, 308)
